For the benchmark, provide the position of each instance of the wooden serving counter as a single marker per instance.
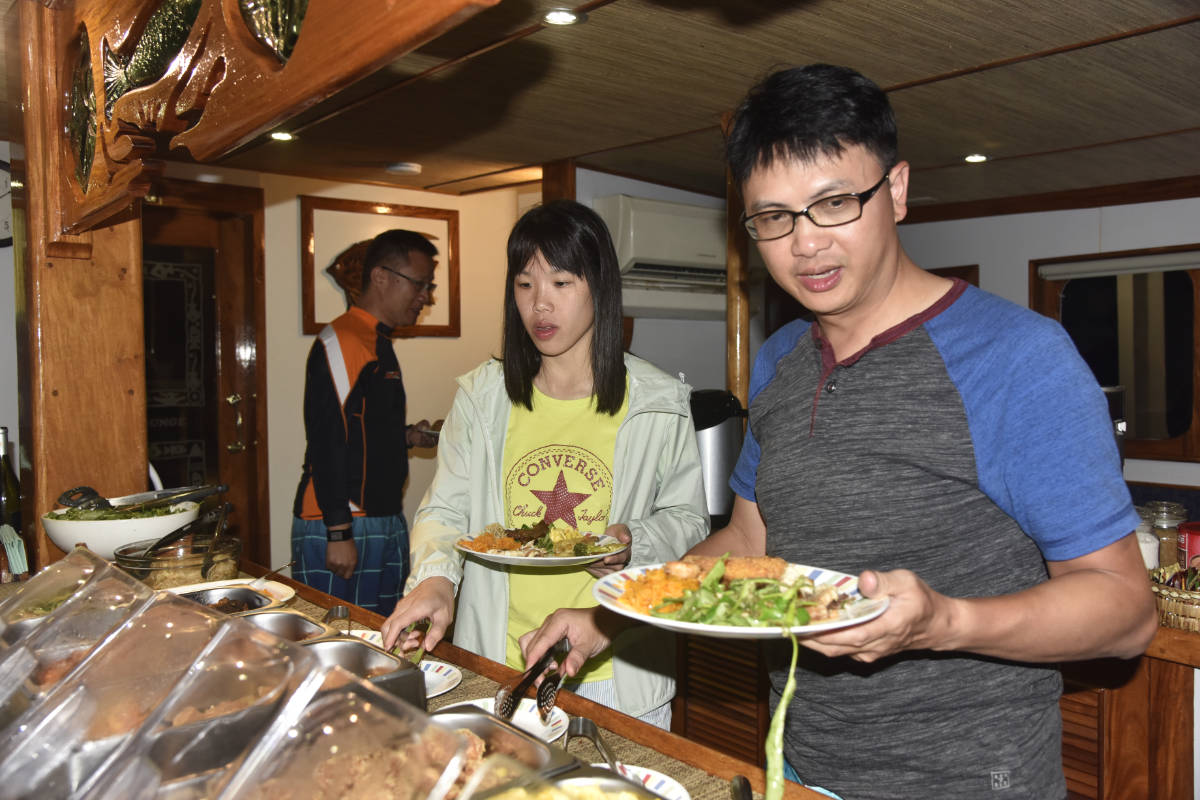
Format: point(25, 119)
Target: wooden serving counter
point(705, 772)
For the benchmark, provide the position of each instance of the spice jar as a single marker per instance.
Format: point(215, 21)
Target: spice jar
point(1148, 543)
point(1166, 517)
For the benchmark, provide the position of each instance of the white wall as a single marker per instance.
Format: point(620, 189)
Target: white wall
point(693, 347)
point(430, 365)
point(8, 328)
point(1003, 246)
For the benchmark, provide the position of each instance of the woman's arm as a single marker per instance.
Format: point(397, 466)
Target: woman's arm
point(676, 517)
point(442, 518)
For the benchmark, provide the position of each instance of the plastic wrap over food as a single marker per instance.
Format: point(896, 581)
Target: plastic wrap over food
point(352, 741)
point(228, 699)
point(43, 593)
point(69, 635)
point(62, 741)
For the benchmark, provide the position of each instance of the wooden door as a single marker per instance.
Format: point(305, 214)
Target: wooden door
point(205, 359)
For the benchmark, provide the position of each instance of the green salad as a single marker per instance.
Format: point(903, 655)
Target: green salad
point(749, 602)
point(92, 514)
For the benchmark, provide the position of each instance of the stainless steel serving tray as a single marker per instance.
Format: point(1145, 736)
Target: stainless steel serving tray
point(392, 674)
point(291, 625)
point(254, 600)
point(506, 739)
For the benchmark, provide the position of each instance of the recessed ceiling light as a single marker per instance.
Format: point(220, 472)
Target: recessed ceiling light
point(976, 158)
point(562, 16)
point(282, 136)
point(404, 168)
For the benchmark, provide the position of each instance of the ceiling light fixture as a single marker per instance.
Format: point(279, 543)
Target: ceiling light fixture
point(282, 136)
point(976, 158)
point(562, 16)
point(404, 168)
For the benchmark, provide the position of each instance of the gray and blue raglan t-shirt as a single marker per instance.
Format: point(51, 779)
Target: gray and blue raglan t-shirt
point(969, 444)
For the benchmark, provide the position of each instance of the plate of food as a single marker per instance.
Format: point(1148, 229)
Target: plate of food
point(738, 598)
point(526, 717)
point(279, 592)
point(664, 786)
point(538, 545)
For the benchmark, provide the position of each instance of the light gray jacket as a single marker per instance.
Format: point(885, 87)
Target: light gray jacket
point(657, 491)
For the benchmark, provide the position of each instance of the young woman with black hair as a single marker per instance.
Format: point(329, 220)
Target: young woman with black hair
point(564, 427)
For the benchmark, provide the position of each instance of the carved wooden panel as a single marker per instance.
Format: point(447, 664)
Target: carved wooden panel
point(207, 76)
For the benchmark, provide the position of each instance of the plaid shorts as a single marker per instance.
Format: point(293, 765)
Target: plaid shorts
point(382, 569)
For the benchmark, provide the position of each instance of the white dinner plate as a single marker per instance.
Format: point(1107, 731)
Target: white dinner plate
point(439, 676)
point(279, 592)
point(664, 786)
point(542, 561)
point(526, 717)
point(608, 591)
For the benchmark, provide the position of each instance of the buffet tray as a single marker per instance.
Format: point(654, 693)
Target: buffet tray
point(506, 739)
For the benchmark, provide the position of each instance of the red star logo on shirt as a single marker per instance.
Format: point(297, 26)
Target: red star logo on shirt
point(560, 503)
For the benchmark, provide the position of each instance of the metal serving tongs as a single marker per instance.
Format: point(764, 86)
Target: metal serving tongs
point(214, 516)
point(88, 498)
point(547, 691)
point(582, 726)
point(510, 692)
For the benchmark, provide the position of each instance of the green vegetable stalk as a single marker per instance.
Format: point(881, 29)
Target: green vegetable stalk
point(775, 732)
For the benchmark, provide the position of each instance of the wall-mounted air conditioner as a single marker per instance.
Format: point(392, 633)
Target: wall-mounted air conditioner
point(672, 256)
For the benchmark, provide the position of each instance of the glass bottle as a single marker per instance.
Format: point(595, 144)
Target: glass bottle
point(15, 559)
point(1166, 517)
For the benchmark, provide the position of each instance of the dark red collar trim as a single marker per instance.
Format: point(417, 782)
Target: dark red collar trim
point(891, 334)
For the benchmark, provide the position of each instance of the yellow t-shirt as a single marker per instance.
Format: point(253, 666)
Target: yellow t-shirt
point(557, 464)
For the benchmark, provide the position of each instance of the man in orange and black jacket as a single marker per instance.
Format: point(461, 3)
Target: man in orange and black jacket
point(349, 535)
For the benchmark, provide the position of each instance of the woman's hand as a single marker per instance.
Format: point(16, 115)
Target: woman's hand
point(614, 561)
point(589, 630)
point(432, 599)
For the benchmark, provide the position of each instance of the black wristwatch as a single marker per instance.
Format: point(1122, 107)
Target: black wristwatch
point(339, 535)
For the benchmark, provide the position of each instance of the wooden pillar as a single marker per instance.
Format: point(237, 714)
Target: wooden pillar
point(82, 382)
point(558, 180)
point(737, 296)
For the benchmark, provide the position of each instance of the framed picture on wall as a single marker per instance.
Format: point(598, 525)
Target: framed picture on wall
point(334, 234)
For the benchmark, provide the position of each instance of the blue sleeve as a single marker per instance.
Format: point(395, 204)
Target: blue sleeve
point(782, 342)
point(1044, 446)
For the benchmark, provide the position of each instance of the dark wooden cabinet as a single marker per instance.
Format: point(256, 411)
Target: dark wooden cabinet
point(721, 696)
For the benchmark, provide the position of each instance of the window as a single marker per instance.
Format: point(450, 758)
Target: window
point(1132, 316)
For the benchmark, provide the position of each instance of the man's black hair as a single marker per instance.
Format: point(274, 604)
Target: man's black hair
point(805, 112)
point(391, 249)
point(570, 237)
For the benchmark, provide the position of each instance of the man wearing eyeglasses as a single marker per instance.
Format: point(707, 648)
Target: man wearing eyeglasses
point(349, 535)
point(947, 447)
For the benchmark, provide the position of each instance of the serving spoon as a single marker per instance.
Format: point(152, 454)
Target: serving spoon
point(261, 580)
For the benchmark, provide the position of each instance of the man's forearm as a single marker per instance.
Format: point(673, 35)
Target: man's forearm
point(1105, 609)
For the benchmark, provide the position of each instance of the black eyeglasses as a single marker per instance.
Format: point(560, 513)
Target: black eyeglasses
point(828, 212)
point(422, 286)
